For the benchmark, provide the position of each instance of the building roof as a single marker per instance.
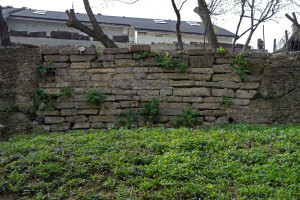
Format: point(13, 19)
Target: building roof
point(139, 24)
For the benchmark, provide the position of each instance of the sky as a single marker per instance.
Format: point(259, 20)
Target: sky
point(158, 9)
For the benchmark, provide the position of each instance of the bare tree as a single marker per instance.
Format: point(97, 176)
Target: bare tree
point(4, 35)
point(294, 20)
point(96, 32)
point(203, 11)
point(179, 44)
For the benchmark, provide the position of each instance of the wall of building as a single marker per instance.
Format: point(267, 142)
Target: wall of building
point(269, 94)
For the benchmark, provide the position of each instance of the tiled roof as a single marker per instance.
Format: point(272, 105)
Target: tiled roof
point(139, 24)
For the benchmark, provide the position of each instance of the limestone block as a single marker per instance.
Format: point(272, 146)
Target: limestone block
point(226, 77)
point(223, 61)
point(154, 69)
point(48, 113)
point(52, 91)
point(124, 56)
point(127, 98)
point(141, 69)
point(54, 120)
point(166, 92)
point(101, 77)
point(123, 92)
point(198, 52)
point(108, 118)
point(64, 105)
point(83, 65)
point(192, 99)
point(171, 111)
point(212, 99)
point(159, 98)
point(125, 63)
point(221, 84)
point(200, 77)
point(210, 118)
point(201, 61)
point(139, 48)
point(241, 102)
point(148, 92)
point(47, 85)
point(81, 125)
point(129, 104)
point(61, 72)
point(97, 125)
point(96, 64)
point(99, 84)
point(68, 112)
point(191, 92)
point(249, 86)
point(82, 84)
point(60, 65)
point(131, 76)
point(182, 83)
point(109, 112)
point(200, 70)
point(85, 77)
point(173, 76)
point(69, 51)
point(77, 72)
point(78, 118)
point(79, 97)
point(60, 127)
point(206, 106)
point(83, 105)
point(82, 58)
point(104, 57)
point(221, 92)
point(218, 113)
point(124, 69)
point(174, 99)
point(115, 51)
point(50, 51)
point(148, 63)
point(245, 94)
point(223, 68)
point(253, 78)
point(87, 112)
point(56, 58)
point(109, 65)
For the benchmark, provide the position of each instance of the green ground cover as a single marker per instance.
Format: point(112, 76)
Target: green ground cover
point(228, 162)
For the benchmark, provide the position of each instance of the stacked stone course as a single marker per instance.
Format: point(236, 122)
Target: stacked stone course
point(128, 83)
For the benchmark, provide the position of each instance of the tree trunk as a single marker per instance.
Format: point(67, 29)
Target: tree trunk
point(179, 45)
point(236, 37)
point(4, 35)
point(96, 33)
point(204, 13)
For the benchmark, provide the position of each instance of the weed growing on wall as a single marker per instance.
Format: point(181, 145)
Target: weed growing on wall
point(259, 95)
point(47, 70)
point(66, 92)
point(225, 101)
point(241, 64)
point(11, 108)
point(42, 98)
point(187, 119)
point(169, 62)
point(150, 111)
point(142, 56)
point(127, 119)
point(95, 97)
point(221, 50)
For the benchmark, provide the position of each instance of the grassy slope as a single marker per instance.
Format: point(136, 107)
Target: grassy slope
point(240, 161)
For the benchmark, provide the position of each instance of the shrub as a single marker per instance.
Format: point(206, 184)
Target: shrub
point(170, 63)
point(65, 92)
point(241, 64)
point(47, 70)
point(127, 119)
point(187, 119)
point(150, 111)
point(11, 108)
point(95, 97)
point(142, 56)
point(43, 98)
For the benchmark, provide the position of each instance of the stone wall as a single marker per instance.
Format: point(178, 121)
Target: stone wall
point(19, 77)
point(129, 83)
point(269, 95)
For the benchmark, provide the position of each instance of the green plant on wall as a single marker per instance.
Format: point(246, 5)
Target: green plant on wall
point(169, 62)
point(11, 108)
point(43, 98)
point(95, 97)
point(259, 95)
point(225, 101)
point(187, 119)
point(142, 56)
point(221, 50)
point(47, 70)
point(150, 111)
point(66, 92)
point(241, 64)
point(127, 119)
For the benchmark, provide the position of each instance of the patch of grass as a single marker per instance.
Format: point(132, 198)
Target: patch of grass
point(226, 162)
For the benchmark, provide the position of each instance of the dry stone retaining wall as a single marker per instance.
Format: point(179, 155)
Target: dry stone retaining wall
point(128, 83)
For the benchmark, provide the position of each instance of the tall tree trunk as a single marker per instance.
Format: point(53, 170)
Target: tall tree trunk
point(4, 35)
point(204, 13)
point(236, 37)
point(96, 33)
point(179, 45)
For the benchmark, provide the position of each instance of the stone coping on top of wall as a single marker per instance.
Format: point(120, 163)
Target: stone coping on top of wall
point(128, 83)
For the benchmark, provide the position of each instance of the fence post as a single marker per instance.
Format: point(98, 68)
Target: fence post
point(274, 46)
point(286, 40)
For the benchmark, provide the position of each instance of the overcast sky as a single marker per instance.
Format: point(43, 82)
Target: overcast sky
point(155, 9)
